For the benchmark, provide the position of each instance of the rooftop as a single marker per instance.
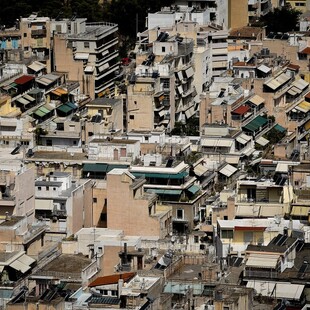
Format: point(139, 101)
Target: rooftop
point(112, 279)
point(67, 263)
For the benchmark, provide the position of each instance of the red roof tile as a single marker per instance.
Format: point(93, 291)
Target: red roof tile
point(306, 51)
point(24, 79)
point(112, 279)
point(241, 110)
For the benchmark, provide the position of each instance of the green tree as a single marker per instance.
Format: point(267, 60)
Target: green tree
point(283, 19)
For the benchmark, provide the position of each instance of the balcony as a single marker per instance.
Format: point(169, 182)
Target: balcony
point(38, 33)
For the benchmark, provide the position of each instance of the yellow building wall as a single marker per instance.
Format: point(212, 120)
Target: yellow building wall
point(237, 13)
point(6, 108)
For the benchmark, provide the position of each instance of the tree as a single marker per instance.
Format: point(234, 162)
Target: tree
point(282, 19)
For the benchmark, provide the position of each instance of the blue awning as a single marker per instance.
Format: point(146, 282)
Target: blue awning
point(164, 191)
point(194, 189)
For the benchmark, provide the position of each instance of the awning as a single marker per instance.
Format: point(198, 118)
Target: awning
point(81, 56)
point(179, 175)
point(300, 211)
point(256, 123)
point(264, 68)
point(194, 189)
point(228, 170)
point(189, 72)
point(213, 142)
point(282, 167)
point(270, 211)
point(199, 170)
point(279, 128)
point(303, 107)
point(257, 100)
point(27, 260)
point(262, 261)
point(190, 112)
point(301, 84)
point(22, 101)
point(241, 110)
point(42, 111)
point(65, 108)
point(37, 66)
point(103, 67)
point(278, 81)
point(243, 138)
point(1, 268)
point(247, 211)
point(262, 141)
point(164, 191)
point(44, 204)
point(280, 290)
point(19, 266)
point(59, 92)
point(233, 160)
point(29, 98)
point(293, 91)
point(95, 167)
point(89, 69)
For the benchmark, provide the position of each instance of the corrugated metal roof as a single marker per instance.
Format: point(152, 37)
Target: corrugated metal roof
point(264, 68)
point(19, 266)
point(45, 204)
point(200, 170)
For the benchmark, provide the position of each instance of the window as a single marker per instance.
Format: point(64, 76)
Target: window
point(47, 188)
point(135, 102)
point(49, 142)
point(163, 49)
point(90, 134)
point(196, 239)
point(25, 35)
point(86, 44)
point(180, 214)
point(225, 217)
point(54, 188)
point(94, 200)
point(39, 188)
point(131, 117)
point(227, 234)
point(74, 142)
point(146, 138)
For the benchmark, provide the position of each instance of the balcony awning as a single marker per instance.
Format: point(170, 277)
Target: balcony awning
point(200, 170)
point(262, 261)
point(279, 128)
point(66, 108)
point(179, 175)
point(303, 107)
point(42, 111)
point(89, 69)
point(29, 98)
point(189, 72)
point(81, 56)
point(257, 100)
point(158, 191)
point(264, 69)
point(95, 167)
point(256, 123)
point(22, 101)
point(228, 170)
point(262, 141)
point(46, 204)
point(241, 110)
point(300, 211)
point(213, 142)
point(243, 138)
point(194, 189)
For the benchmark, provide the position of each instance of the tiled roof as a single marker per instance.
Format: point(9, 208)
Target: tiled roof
point(245, 32)
point(306, 51)
point(243, 64)
point(112, 279)
point(293, 67)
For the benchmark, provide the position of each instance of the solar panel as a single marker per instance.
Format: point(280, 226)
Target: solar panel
point(238, 262)
point(303, 268)
point(282, 240)
point(277, 238)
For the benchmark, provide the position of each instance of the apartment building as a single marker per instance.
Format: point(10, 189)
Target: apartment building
point(153, 220)
point(87, 53)
point(64, 205)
